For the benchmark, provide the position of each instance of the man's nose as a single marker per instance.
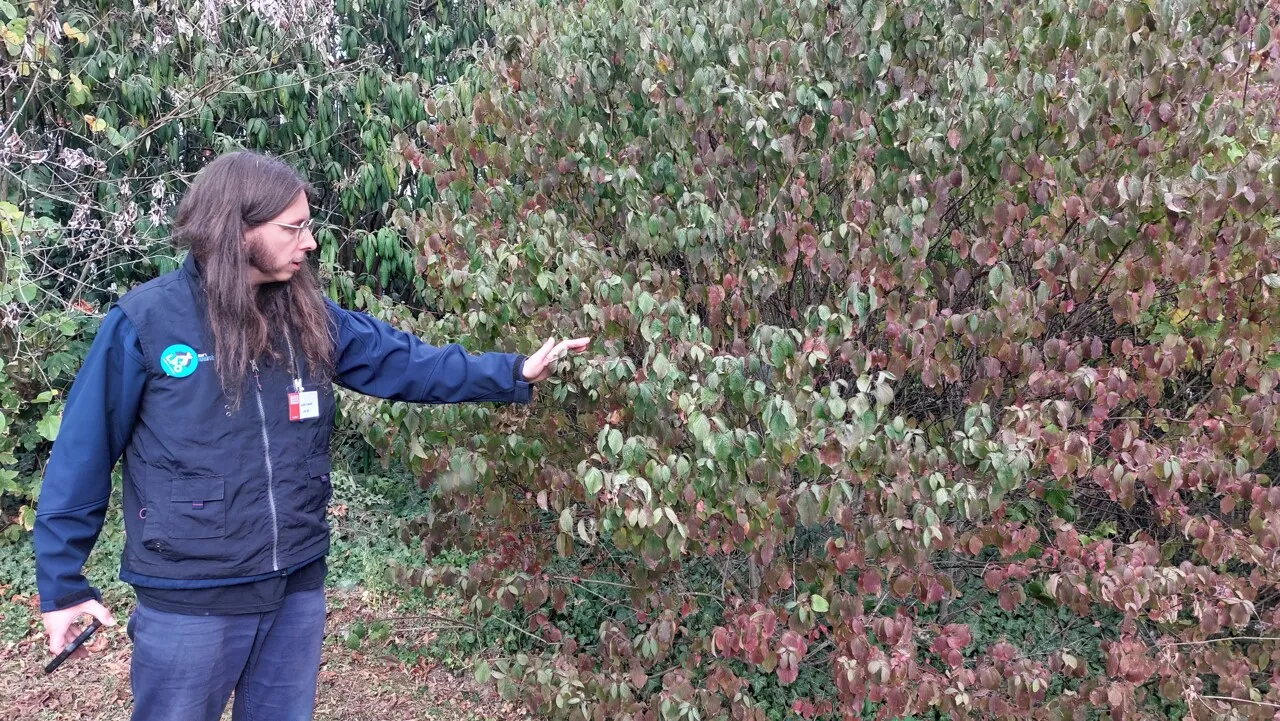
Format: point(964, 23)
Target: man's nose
point(308, 241)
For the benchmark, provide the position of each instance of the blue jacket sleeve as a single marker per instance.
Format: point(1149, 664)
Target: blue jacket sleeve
point(375, 359)
point(96, 425)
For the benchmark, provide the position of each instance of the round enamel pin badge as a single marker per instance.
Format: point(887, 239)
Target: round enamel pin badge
point(179, 360)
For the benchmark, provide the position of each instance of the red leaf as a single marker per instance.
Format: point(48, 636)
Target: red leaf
point(1057, 463)
point(936, 592)
point(1228, 504)
point(831, 453)
point(788, 668)
point(809, 245)
point(1011, 597)
point(715, 296)
point(794, 642)
point(1074, 207)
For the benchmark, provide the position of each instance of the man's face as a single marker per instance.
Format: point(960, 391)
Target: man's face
point(275, 251)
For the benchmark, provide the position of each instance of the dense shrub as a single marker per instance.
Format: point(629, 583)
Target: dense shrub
point(907, 315)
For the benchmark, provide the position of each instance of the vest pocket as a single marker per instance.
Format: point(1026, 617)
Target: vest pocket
point(319, 467)
point(197, 508)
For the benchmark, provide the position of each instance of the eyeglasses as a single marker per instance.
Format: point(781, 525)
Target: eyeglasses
point(307, 224)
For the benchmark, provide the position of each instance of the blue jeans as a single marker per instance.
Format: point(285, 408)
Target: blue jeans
point(185, 667)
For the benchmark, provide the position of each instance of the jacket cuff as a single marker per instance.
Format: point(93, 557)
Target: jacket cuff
point(523, 391)
point(67, 600)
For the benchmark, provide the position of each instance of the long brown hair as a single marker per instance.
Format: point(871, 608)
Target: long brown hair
point(232, 195)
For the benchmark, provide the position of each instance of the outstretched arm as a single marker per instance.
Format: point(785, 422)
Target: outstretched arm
point(375, 359)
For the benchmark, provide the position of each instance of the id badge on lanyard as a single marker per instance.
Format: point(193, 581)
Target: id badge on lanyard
point(303, 405)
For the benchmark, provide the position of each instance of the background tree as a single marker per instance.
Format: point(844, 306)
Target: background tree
point(109, 111)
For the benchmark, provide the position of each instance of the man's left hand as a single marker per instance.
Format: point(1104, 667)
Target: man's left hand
point(539, 366)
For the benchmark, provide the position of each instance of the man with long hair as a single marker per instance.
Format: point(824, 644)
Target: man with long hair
point(215, 383)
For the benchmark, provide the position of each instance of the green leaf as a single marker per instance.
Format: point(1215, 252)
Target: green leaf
point(675, 542)
point(778, 426)
point(869, 421)
point(1056, 498)
point(819, 603)
point(646, 303)
point(566, 521)
point(615, 440)
point(884, 394)
point(483, 671)
point(593, 481)
point(416, 449)
point(699, 426)
point(807, 508)
point(723, 447)
point(357, 632)
point(836, 406)
point(8, 10)
point(49, 425)
point(1036, 589)
point(661, 366)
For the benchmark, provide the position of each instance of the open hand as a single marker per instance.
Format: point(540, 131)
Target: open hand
point(539, 366)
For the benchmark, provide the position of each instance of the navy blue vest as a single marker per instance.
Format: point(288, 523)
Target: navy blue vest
point(212, 492)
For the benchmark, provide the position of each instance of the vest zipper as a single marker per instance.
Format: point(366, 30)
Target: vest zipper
point(266, 455)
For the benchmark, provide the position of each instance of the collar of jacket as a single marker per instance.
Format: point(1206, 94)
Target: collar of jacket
point(191, 269)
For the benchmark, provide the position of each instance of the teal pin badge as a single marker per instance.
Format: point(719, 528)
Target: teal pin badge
point(179, 360)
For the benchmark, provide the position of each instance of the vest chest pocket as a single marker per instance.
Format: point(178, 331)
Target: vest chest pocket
point(197, 508)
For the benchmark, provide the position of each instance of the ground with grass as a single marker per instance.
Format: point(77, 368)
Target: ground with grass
point(388, 653)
